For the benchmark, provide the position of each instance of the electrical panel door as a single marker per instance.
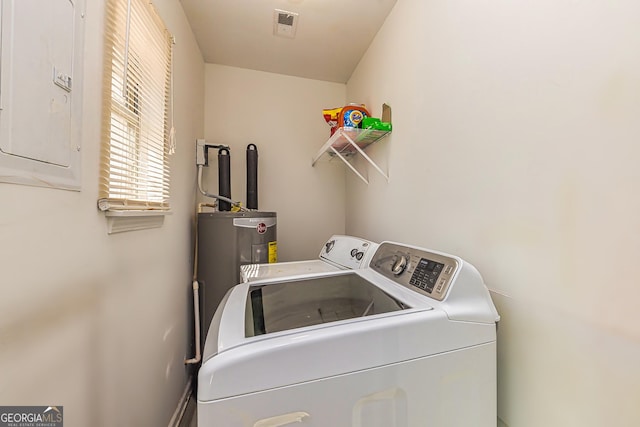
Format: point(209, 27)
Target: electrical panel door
point(40, 91)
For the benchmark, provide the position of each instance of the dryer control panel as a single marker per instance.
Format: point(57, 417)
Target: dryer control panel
point(347, 251)
point(423, 271)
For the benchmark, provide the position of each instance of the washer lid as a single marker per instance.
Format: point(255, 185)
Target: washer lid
point(287, 305)
point(253, 272)
point(237, 318)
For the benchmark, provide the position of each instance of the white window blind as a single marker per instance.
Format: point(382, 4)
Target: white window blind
point(135, 125)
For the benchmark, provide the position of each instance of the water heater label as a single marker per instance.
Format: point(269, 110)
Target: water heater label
point(273, 252)
point(262, 228)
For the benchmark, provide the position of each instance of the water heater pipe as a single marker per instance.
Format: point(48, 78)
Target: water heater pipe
point(196, 316)
point(252, 176)
point(216, 196)
point(224, 178)
point(196, 296)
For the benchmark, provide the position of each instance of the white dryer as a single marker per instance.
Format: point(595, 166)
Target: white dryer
point(339, 253)
point(408, 341)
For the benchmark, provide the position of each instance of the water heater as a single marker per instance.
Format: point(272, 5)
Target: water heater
point(227, 240)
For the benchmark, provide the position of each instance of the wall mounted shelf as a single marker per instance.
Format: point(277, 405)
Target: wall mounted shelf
point(347, 142)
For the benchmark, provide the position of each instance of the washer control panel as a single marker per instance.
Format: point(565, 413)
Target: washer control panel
point(422, 271)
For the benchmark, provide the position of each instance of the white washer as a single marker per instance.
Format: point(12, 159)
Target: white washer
point(408, 341)
point(339, 253)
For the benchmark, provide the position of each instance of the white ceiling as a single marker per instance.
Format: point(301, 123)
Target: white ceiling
point(331, 37)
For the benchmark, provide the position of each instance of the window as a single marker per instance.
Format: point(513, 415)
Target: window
point(134, 173)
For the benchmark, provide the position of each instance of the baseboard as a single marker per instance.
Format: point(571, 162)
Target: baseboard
point(179, 413)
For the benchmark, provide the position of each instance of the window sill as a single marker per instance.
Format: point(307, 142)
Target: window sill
point(121, 221)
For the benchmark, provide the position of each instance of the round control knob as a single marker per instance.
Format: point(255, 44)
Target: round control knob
point(354, 252)
point(329, 245)
point(399, 265)
point(359, 255)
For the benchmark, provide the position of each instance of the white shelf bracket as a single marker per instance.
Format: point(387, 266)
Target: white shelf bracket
point(367, 158)
point(346, 162)
point(348, 141)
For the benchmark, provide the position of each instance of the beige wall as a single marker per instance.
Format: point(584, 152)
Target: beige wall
point(515, 146)
point(282, 115)
point(100, 323)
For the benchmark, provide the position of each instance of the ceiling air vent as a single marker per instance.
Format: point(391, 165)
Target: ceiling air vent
point(284, 23)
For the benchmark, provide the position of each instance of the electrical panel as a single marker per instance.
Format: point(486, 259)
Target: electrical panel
point(41, 92)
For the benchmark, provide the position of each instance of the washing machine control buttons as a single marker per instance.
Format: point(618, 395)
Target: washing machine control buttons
point(357, 254)
point(399, 265)
point(428, 273)
point(329, 245)
point(425, 275)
